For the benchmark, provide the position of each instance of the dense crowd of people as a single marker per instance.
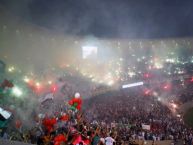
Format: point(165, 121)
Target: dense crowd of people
point(118, 117)
point(37, 89)
point(107, 118)
point(130, 112)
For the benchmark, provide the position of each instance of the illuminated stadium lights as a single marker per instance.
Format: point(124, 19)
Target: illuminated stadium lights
point(132, 85)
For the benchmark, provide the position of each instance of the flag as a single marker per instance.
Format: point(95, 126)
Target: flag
point(4, 117)
point(4, 114)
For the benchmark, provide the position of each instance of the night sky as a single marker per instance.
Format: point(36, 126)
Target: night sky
point(108, 18)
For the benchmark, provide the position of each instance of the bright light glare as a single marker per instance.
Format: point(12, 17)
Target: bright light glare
point(174, 105)
point(49, 82)
point(17, 91)
point(131, 74)
point(11, 69)
point(132, 85)
point(178, 115)
point(158, 65)
point(37, 84)
point(111, 82)
point(89, 51)
point(26, 79)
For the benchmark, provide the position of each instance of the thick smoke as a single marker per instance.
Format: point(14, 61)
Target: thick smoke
point(120, 19)
point(37, 34)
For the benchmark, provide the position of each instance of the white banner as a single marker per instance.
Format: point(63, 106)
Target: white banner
point(5, 114)
point(146, 127)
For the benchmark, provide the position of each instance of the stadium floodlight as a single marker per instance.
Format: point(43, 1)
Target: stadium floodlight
point(132, 85)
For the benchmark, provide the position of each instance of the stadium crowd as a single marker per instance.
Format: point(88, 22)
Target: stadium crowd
point(118, 117)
